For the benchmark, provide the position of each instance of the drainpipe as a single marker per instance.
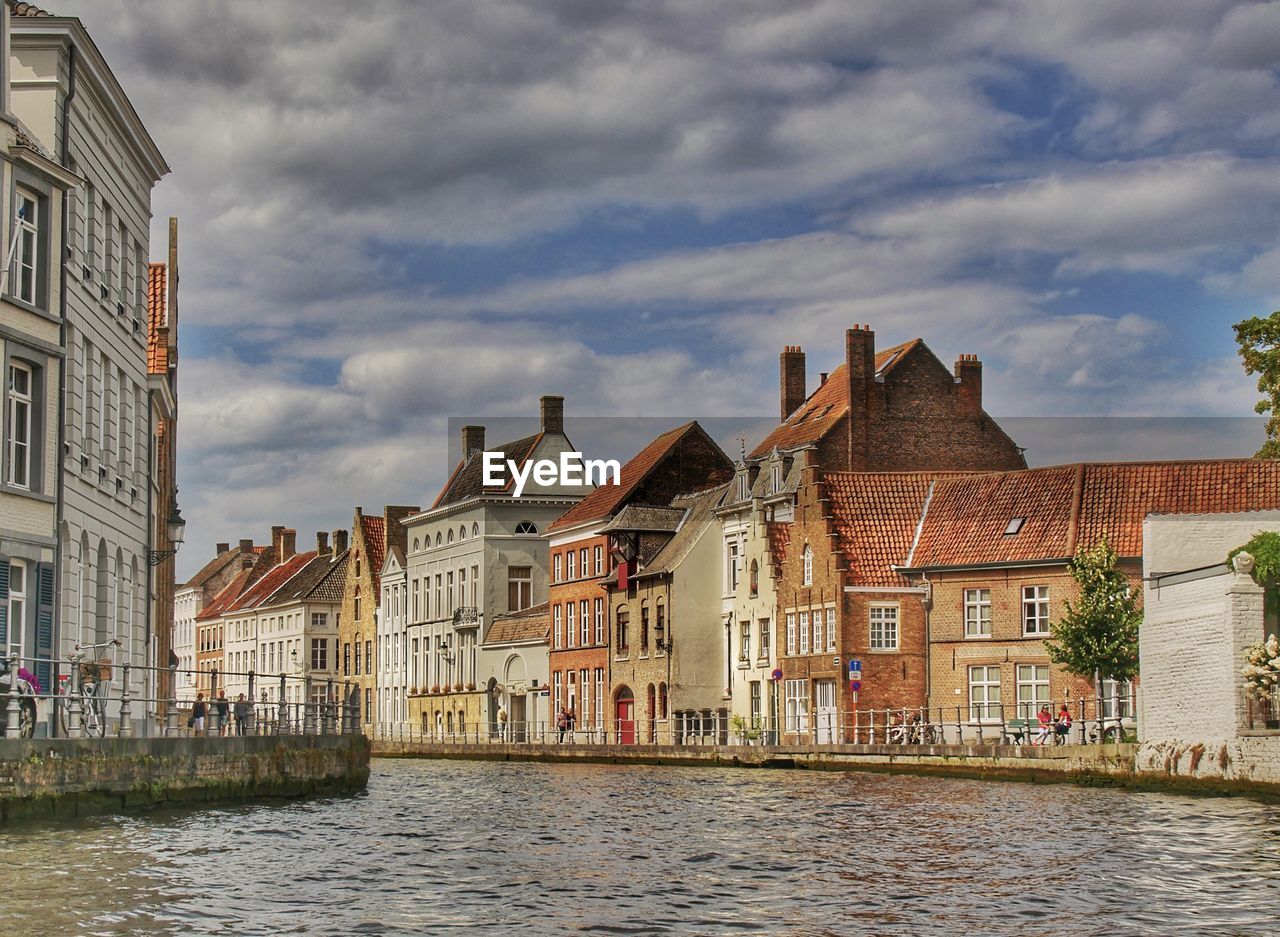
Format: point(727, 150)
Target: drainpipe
point(61, 444)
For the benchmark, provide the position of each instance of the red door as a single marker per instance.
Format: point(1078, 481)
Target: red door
point(626, 721)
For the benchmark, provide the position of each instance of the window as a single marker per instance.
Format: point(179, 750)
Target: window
point(571, 623)
point(519, 587)
point(755, 703)
point(765, 626)
point(556, 562)
point(984, 694)
point(599, 707)
point(415, 600)
point(977, 613)
point(1035, 609)
point(122, 421)
point(731, 567)
point(623, 620)
point(448, 593)
point(744, 642)
point(808, 565)
point(319, 653)
point(17, 608)
point(1033, 689)
point(753, 584)
point(586, 622)
point(582, 562)
point(797, 706)
point(368, 705)
point(27, 257)
point(557, 629)
point(462, 586)
point(831, 629)
point(804, 632)
point(1015, 525)
point(571, 564)
point(1116, 699)
point(884, 627)
point(368, 655)
point(319, 621)
point(644, 629)
point(526, 527)
point(440, 613)
point(557, 690)
point(357, 604)
point(598, 608)
point(791, 633)
point(817, 632)
point(599, 557)
point(19, 428)
point(357, 670)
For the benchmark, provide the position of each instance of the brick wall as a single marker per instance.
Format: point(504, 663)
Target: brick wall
point(573, 656)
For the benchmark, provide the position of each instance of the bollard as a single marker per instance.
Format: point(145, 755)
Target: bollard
point(171, 717)
point(327, 728)
point(308, 713)
point(251, 723)
point(126, 707)
point(282, 723)
point(13, 712)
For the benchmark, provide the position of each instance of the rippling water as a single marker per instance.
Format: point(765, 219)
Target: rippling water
point(436, 847)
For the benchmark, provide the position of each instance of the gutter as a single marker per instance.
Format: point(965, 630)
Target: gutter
point(1009, 564)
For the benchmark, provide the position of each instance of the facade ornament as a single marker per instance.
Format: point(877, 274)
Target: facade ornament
point(1243, 563)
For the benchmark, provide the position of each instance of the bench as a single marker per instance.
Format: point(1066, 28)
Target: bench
point(1024, 731)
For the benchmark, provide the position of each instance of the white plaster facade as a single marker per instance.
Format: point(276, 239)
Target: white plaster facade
point(186, 602)
point(393, 648)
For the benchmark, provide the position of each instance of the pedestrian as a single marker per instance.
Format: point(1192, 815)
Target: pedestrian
point(562, 723)
point(572, 720)
point(198, 712)
point(222, 707)
point(1045, 718)
point(242, 714)
point(502, 723)
point(1063, 728)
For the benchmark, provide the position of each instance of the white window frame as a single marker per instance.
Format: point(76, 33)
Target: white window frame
point(21, 408)
point(571, 622)
point(1035, 610)
point(584, 622)
point(831, 629)
point(976, 624)
point(807, 560)
point(796, 706)
point(598, 609)
point(982, 707)
point(18, 572)
point(556, 566)
point(571, 564)
point(766, 627)
point(26, 259)
point(791, 633)
point(744, 635)
point(1033, 689)
point(557, 627)
point(1107, 695)
point(802, 624)
point(599, 557)
point(884, 628)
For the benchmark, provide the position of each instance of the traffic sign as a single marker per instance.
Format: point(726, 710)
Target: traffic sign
point(776, 675)
point(855, 667)
point(855, 685)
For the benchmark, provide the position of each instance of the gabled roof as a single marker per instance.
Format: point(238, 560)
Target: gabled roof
point(824, 408)
point(779, 534)
point(605, 500)
point(531, 624)
point(211, 569)
point(330, 587)
point(374, 528)
point(1068, 506)
point(226, 596)
point(467, 480)
point(157, 319)
point(266, 587)
point(698, 510)
point(395, 553)
point(641, 518)
point(308, 582)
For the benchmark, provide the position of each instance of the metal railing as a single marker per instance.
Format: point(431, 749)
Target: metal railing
point(90, 695)
point(1262, 714)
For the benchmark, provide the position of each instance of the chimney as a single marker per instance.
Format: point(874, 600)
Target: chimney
point(792, 379)
point(822, 378)
point(397, 534)
point(246, 546)
point(222, 548)
point(339, 542)
point(322, 542)
point(553, 414)
point(472, 441)
point(284, 543)
point(860, 365)
point(969, 385)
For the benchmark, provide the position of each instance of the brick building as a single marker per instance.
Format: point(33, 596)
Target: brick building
point(993, 551)
point(361, 594)
point(680, 460)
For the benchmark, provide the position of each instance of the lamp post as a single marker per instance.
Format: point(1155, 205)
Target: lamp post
point(176, 529)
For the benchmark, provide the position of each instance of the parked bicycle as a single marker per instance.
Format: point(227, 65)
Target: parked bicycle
point(28, 690)
point(87, 685)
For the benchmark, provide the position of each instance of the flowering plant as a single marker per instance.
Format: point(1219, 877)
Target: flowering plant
point(1261, 669)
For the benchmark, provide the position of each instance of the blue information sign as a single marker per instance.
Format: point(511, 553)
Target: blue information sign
point(855, 668)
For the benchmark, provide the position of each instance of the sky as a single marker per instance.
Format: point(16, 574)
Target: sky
point(393, 213)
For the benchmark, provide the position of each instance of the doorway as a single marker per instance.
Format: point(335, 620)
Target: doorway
point(825, 710)
point(625, 717)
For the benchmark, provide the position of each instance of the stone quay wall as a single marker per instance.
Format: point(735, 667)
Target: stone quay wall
point(51, 778)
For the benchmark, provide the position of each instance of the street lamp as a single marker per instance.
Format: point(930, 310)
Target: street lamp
point(176, 528)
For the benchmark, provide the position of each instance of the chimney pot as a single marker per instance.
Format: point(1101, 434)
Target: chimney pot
point(791, 378)
point(339, 542)
point(822, 378)
point(246, 546)
point(472, 440)
point(222, 548)
point(552, 414)
point(322, 542)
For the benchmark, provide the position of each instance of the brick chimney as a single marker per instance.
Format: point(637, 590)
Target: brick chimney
point(553, 414)
point(246, 546)
point(222, 548)
point(339, 542)
point(860, 363)
point(322, 543)
point(969, 385)
point(397, 533)
point(284, 543)
point(792, 379)
point(472, 441)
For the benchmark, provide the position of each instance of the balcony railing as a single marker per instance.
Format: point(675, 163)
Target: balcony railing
point(466, 616)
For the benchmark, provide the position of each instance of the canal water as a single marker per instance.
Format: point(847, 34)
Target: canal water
point(439, 847)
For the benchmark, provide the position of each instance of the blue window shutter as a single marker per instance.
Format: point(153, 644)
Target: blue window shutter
point(4, 602)
point(44, 625)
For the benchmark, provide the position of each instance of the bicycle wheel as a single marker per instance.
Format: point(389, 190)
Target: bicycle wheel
point(62, 703)
point(98, 726)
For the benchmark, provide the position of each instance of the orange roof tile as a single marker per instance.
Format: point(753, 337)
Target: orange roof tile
point(779, 534)
point(375, 546)
point(606, 499)
point(875, 515)
point(265, 587)
point(825, 406)
point(229, 593)
point(157, 319)
point(532, 624)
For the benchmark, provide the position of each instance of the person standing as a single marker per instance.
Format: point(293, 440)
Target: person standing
point(571, 719)
point(502, 723)
point(562, 723)
point(241, 714)
point(223, 709)
point(198, 713)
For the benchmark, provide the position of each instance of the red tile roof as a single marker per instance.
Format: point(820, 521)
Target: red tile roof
point(157, 319)
point(210, 569)
point(607, 499)
point(229, 593)
point(826, 405)
point(875, 515)
point(375, 545)
point(265, 587)
point(779, 534)
point(1068, 506)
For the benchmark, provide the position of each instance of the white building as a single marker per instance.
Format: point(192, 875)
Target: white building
point(393, 646)
point(64, 91)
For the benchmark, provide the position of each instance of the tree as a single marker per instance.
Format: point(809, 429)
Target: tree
point(1259, 341)
point(1098, 635)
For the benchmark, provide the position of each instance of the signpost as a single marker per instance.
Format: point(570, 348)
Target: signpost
point(855, 684)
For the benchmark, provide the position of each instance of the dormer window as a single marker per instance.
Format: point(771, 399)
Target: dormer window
point(808, 565)
point(1015, 525)
point(526, 527)
point(742, 486)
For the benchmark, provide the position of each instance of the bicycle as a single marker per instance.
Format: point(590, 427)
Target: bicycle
point(93, 676)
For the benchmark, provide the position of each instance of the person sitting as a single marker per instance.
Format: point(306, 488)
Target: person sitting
point(1045, 718)
point(1063, 727)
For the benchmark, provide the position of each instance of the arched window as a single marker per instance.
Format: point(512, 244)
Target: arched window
point(475, 528)
point(526, 527)
point(808, 565)
point(462, 532)
point(416, 545)
point(437, 538)
point(449, 539)
point(755, 578)
point(662, 701)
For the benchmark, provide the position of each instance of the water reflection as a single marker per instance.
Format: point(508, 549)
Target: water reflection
point(442, 846)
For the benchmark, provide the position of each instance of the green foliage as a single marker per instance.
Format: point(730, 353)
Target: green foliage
point(1259, 341)
point(1265, 550)
point(1099, 632)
